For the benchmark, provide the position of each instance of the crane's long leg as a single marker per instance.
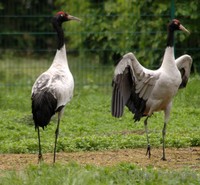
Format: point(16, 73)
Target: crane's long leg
point(56, 136)
point(163, 137)
point(167, 114)
point(147, 135)
point(40, 150)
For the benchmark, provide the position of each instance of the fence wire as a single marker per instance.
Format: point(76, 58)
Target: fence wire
point(22, 61)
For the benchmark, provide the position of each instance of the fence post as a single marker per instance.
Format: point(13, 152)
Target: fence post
point(172, 9)
point(172, 17)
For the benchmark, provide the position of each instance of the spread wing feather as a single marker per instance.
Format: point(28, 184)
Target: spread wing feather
point(132, 86)
point(184, 64)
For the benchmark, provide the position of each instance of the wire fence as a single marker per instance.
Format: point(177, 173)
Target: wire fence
point(22, 61)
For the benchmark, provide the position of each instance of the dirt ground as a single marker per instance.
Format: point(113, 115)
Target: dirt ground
point(176, 158)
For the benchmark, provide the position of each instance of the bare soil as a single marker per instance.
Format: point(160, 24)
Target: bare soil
point(176, 158)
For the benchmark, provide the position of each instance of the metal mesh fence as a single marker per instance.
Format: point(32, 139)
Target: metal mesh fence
point(27, 50)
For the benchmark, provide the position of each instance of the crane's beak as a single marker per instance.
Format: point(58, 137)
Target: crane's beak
point(181, 27)
point(70, 17)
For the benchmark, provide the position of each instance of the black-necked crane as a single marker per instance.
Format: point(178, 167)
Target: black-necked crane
point(53, 89)
point(146, 91)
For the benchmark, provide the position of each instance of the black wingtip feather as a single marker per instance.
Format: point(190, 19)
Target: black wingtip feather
point(184, 79)
point(117, 103)
point(43, 108)
point(124, 93)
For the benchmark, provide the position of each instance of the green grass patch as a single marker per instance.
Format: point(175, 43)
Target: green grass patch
point(87, 123)
point(73, 173)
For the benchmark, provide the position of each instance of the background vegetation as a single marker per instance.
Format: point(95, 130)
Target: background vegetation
point(108, 30)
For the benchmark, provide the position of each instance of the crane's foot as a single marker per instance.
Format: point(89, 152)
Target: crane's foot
point(148, 151)
point(40, 158)
point(163, 158)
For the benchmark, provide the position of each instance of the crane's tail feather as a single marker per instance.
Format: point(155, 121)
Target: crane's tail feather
point(43, 108)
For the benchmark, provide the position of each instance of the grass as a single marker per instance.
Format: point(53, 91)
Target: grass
point(87, 125)
point(73, 173)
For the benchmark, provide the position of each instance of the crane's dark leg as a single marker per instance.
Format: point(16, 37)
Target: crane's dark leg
point(148, 144)
point(40, 150)
point(163, 137)
point(167, 114)
point(56, 136)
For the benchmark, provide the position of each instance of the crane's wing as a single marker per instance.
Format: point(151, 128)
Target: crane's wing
point(59, 86)
point(41, 83)
point(132, 86)
point(184, 64)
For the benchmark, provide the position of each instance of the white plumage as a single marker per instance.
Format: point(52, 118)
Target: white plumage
point(53, 89)
point(146, 91)
point(57, 79)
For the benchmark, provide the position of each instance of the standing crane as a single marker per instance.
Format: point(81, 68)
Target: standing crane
point(146, 91)
point(53, 89)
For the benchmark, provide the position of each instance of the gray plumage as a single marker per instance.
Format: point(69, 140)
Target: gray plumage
point(146, 91)
point(53, 89)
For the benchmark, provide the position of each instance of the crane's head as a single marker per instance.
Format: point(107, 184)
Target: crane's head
point(61, 17)
point(176, 25)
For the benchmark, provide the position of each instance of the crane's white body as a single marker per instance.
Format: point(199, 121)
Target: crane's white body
point(166, 85)
point(57, 80)
point(156, 87)
point(145, 91)
point(53, 89)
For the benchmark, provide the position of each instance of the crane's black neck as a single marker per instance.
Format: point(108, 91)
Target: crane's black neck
point(60, 33)
point(170, 37)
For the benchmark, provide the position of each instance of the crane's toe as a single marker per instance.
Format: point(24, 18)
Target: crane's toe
point(164, 159)
point(40, 158)
point(148, 151)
